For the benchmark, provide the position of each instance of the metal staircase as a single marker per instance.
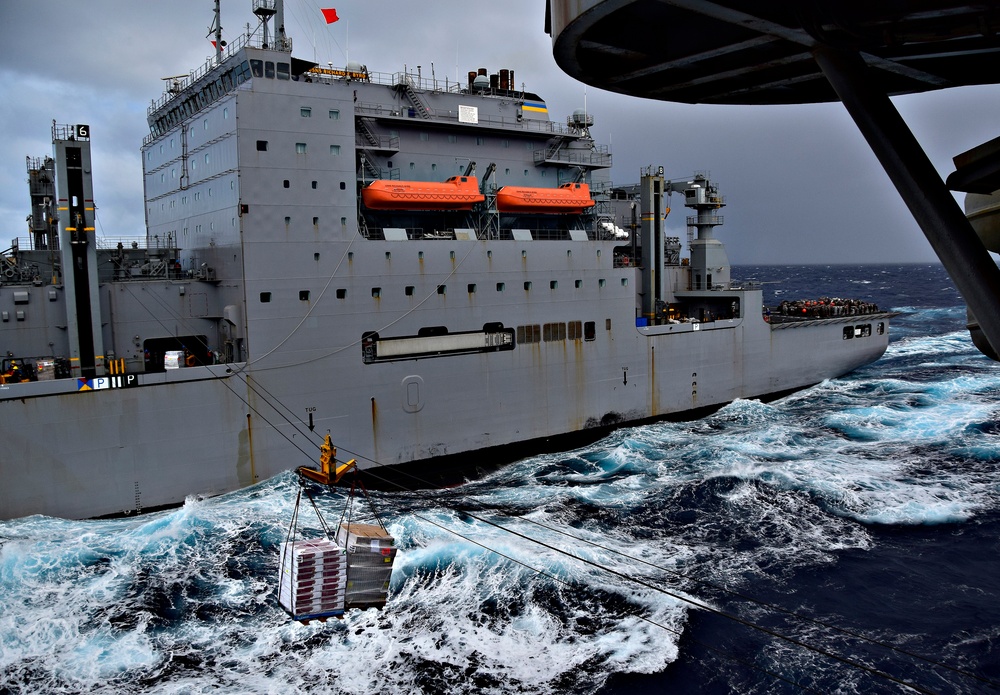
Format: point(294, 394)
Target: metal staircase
point(414, 98)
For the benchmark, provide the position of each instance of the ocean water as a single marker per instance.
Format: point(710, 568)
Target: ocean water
point(842, 539)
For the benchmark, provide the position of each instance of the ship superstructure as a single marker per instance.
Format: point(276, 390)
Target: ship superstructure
point(433, 273)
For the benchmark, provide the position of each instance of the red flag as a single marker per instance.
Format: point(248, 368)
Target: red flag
point(330, 15)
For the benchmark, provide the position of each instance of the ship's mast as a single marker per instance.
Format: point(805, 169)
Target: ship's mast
point(76, 210)
point(265, 10)
point(279, 22)
point(709, 262)
point(216, 29)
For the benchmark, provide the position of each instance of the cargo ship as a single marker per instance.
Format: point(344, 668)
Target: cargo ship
point(436, 274)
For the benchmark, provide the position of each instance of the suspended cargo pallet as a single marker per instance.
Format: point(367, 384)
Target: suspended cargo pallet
point(313, 580)
point(320, 578)
point(370, 554)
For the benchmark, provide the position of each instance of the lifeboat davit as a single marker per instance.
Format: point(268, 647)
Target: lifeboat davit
point(457, 193)
point(569, 198)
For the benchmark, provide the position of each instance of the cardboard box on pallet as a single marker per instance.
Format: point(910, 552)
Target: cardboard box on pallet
point(383, 558)
point(312, 553)
point(291, 592)
point(314, 605)
point(364, 538)
point(307, 605)
point(370, 556)
point(368, 576)
point(312, 578)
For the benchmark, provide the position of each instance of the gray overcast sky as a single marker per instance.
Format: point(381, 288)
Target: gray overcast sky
point(800, 183)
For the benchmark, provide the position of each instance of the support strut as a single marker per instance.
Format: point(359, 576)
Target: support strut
point(930, 202)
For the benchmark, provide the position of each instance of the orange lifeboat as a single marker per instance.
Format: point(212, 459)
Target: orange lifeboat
point(569, 198)
point(457, 193)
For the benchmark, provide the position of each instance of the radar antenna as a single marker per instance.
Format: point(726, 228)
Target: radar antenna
point(176, 83)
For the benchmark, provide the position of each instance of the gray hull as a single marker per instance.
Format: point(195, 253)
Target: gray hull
point(408, 333)
point(185, 432)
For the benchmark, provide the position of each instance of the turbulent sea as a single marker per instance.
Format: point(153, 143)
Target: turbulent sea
point(842, 539)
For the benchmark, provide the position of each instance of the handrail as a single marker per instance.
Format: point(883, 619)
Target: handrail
point(181, 83)
point(524, 124)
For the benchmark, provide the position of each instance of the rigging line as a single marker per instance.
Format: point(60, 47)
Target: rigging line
point(260, 415)
point(704, 606)
point(845, 660)
point(224, 380)
point(627, 578)
point(322, 521)
point(560, 580)
point(721, 613)
point(291, 526)
point(313, 22)
point(312, 305)
point(342, 348)
point(747, 623)
point(270, 399)
point(233, 372)
point(767, 605)
point(405, 314)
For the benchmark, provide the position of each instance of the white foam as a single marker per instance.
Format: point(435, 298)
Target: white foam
point(752, 488)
